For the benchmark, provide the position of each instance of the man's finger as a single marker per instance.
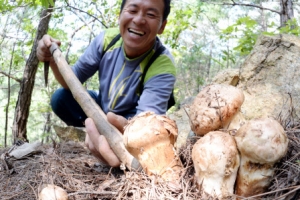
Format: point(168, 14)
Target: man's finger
point(93, 150)
point(117, 121)
point(47, 39)
point(100, 144)
point(58, 42)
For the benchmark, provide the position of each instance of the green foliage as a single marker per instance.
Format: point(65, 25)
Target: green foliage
point(182, 17)
point(6, 5)
point(291, 27)
point(245, 30)
point(46, 3)
point(227, 55)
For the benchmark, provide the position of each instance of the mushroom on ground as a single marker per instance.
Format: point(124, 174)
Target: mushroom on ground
point(261, 143)
point(150, 138)
point(216, 162)
point(53, 192)
point(214, 107)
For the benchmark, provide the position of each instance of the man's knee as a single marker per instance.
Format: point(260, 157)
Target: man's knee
point(59, 97)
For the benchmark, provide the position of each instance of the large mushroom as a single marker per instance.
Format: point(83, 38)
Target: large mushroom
point(214, 107)
point(261, 142)
point(216, 162)
point(150, 138)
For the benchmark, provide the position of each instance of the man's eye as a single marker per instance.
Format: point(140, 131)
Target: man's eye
point(150, 15)
point(132, 11)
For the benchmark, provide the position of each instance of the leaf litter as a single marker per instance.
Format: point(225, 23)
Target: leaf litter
point(70, 166)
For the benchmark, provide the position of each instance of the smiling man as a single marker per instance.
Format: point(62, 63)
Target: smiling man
point(119, 69)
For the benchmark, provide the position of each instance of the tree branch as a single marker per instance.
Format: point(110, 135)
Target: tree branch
point(86, 23)
point(10, 76)
point(72, 36)
point(250, 5)
point(72, 7)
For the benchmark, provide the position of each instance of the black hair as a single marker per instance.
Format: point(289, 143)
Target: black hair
point(167, 8)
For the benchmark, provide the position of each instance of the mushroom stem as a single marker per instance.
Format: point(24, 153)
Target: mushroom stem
point(216, 161)
point(150, 138)
point(261, 143)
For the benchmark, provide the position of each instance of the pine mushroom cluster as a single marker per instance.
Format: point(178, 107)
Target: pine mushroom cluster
point(232, 164)
point(227, 163)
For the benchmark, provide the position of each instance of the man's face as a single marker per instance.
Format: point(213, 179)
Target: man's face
point(139, 22)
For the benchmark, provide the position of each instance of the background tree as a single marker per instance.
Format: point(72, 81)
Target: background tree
point(27, 84)
point(204, 37)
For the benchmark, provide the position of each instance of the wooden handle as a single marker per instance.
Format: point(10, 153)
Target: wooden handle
point(93, 111)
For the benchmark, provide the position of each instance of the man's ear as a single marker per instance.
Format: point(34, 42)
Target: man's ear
point(162, 27)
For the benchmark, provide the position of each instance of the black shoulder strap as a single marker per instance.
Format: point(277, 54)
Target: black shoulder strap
point(111, 43)
point(171, 101)
point(152, 59)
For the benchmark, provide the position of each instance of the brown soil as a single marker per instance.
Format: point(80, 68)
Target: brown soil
point(71, 166)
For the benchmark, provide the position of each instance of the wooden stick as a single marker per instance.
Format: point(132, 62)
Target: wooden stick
point(93, 111)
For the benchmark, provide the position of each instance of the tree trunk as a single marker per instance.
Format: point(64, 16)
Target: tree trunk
point(27, 84)
point(287, 11)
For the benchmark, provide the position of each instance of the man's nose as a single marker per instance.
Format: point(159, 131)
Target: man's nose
point(139, 18)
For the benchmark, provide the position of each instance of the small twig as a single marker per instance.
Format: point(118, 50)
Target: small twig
point(187, 114)
point(11, 197)
point(92, 192)
point(12, 77)
point(294, 190)
point(72, 36)
point(251, 5)
point(219, 108)
point(36, 196)
point(294, 131)
point(72, 7)
point(278, 190)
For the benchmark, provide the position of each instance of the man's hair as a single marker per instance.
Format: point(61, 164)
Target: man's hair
point(167, 8)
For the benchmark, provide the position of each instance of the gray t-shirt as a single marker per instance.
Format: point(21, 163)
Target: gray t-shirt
point(120, 76)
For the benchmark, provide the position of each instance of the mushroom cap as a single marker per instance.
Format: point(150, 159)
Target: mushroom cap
point(53, 192)
point(147, 128)
point(262, 140)
point(216, 161)
point(214, 107)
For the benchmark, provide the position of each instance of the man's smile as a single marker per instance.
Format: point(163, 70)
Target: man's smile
point(140, 33)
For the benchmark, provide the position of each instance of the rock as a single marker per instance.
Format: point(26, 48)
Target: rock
point(70, 133)
point(183, 124)
point(269, 78)
point(229, 76)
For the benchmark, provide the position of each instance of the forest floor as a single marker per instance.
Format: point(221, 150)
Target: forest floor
point(70, 166)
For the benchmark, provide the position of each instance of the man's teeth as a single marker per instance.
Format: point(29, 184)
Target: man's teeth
point(136, 32)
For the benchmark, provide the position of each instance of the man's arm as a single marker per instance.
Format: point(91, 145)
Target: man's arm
point(156, 93)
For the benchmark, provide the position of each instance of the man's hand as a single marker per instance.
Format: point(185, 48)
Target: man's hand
point(98, 144)
point(43, 53)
